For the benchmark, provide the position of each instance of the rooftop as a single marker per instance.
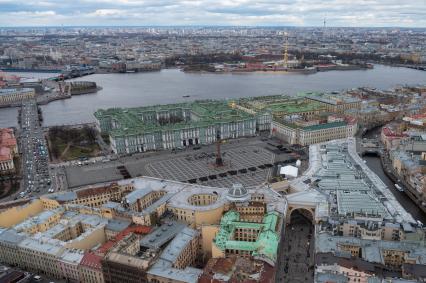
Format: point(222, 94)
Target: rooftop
point(266, 245)
point(179, 242)
point(91, 260)
point(11, 236)
point(73, 256)
point(232, 268)
point(164, 266)
point(359, 202)
point(51, 247)
point(169, 117)
point(139, 193)
point(7, 137)
point(355, 188)
point(40, 218)
point(162, 269)
point(117, 225)
point(334, 99)
point(325, 126)
point(372, 250)
point(162, 234)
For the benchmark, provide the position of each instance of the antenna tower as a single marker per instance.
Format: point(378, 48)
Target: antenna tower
point(285, 50)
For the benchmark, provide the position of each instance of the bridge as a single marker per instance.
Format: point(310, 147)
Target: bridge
point(369, 147)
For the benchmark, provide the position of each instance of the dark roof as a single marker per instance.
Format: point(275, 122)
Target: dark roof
point(356, 264)
point(95, 191)
point(416, 270)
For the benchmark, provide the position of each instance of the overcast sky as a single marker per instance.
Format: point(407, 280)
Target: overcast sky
point(403, 13)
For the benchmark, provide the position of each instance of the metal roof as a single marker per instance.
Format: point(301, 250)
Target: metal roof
point(359, 202)
point(266, 245)
point(202, 114)
point(162, 234)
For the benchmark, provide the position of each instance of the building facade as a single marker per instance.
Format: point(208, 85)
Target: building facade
point(308, 135)
point(8, 149)
point(174, 126)
point(13, 95)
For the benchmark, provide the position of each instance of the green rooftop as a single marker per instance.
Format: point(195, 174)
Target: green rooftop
point(295, 106)
point(266, 244)
point(156, 118)
point(281, 104)
point(325, 126)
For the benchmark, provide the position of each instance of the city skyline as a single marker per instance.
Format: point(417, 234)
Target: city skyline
point(337, 13)
point(199, 141)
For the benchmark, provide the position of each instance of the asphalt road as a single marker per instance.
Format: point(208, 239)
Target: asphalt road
point(296, 255)
point(35, 160)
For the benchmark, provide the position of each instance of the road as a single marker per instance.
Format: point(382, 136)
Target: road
point(296, 255)
point(32, 146)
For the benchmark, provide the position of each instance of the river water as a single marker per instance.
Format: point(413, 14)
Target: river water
point(170, 85)
point(375, 165)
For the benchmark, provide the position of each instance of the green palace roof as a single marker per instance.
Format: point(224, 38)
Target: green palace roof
point(266, 244)
point(208, 113)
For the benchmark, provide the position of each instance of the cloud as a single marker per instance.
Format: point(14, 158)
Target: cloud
point(108, 13)
point(213, 12)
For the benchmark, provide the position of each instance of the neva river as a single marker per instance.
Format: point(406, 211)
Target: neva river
point(169, 86)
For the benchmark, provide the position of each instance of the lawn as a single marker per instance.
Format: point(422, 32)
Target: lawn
point(67, 143)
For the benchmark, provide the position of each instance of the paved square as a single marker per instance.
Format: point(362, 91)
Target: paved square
point(244, 161)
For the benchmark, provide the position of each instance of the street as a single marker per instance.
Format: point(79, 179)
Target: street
point(296, 255)
point(33, 149)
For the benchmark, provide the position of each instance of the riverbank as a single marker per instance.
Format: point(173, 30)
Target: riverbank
point(207, 68)
point(415, 67)
point(379, 166)
point(66, 91)
point(408, 189)
point(25, 70)
point(175, 86)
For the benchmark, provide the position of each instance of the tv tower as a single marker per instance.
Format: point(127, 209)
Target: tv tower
point(285, 59)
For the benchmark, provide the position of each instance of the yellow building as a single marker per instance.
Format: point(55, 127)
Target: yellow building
point(336, 103)
point(318, 133)
point(42, 256)
point(57, 228)
point(49, 242)
point(40, 222)
point(9, 251)
point(13, 95)
point(372, 230)
point(17, 214)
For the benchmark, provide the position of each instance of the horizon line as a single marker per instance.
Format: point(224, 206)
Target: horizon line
point(204, 26)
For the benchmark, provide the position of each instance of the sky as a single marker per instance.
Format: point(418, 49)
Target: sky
point(352, 13)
